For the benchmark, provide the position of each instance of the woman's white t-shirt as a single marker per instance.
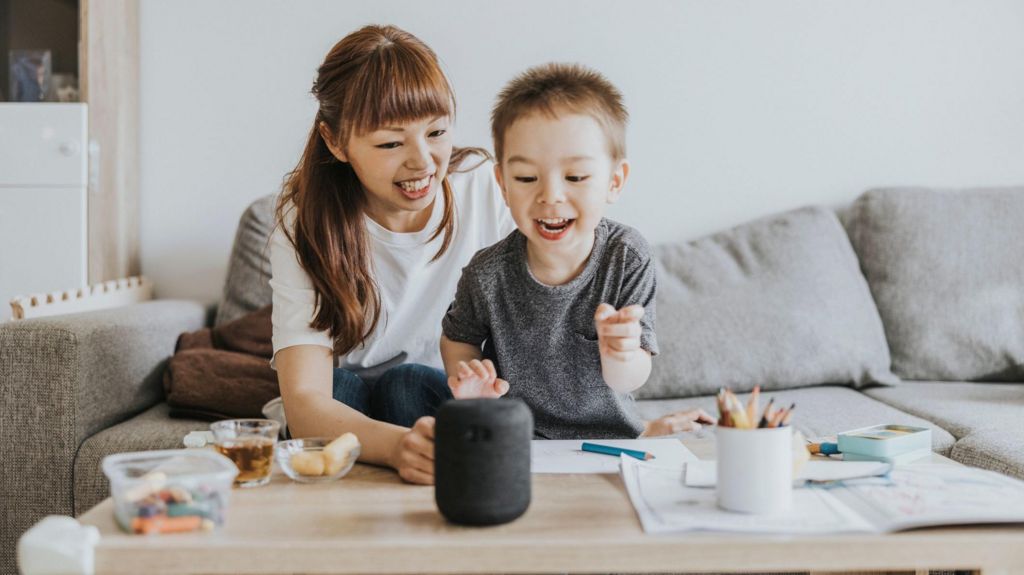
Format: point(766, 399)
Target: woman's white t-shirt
point(415, 293)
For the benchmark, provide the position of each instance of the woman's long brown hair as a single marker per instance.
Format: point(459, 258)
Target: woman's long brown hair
point(375, 76)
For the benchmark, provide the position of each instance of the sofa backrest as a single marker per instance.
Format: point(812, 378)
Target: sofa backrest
point(946, 269)
point(789, 300)
point(778, 302)
point(247, 287)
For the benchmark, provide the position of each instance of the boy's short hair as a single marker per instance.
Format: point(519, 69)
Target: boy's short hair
point(554, 88)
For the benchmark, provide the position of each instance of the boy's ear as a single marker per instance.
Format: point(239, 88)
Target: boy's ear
point(325, 133)
point(501, 182)
point(619, 175)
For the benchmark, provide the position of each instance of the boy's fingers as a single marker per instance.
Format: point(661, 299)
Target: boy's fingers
point(479, 369)
point(464, 370)
point(500, 387)
point(631, 329)
point(491, 371)
point(630, 313)
point(604, 311)
point(623, 343)
point(703, 417)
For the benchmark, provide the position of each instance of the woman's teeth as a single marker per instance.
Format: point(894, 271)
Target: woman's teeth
point(413, 185)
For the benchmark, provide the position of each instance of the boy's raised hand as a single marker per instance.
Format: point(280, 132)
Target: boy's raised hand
point(618, 331)
point(477, 379)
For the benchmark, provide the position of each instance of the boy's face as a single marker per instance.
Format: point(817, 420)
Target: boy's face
point(557, 175)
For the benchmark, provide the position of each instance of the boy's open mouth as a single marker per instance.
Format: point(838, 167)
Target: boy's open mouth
point(553, 228)
point(415, 189)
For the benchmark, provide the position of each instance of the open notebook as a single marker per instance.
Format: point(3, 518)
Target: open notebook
point(908, 497)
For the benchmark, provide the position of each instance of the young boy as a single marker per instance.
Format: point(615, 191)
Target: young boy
point(564, 306)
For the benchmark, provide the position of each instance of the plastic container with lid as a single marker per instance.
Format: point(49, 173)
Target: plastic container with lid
point(169, 491)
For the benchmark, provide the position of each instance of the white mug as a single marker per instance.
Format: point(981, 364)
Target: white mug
point(755, 469)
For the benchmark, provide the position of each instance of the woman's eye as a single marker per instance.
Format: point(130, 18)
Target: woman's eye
point(576, 179)
point(389, 145)
point(438, 133)
point(526, 179)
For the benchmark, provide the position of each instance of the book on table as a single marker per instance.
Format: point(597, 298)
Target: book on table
point(908, 497)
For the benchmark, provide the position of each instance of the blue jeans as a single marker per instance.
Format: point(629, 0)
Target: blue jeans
point(401, 395)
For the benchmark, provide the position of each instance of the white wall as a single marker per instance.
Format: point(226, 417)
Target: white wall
point(739, 109)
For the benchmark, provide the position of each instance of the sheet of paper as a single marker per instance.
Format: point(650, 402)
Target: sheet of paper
point(935, 494)
point(665, 504)
point(703, 473)
point(566, 456)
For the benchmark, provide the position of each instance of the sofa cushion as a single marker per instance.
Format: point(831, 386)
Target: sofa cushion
point(151, 429)
point(247, 287)
point(961, 408)
point(1001, 451)
point(819, 412)
point(947, 271)
point(778, 302)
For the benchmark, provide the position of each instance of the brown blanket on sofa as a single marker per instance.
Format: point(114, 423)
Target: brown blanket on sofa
point(223, 372)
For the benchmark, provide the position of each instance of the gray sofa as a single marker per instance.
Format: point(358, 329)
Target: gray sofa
point(905, 307)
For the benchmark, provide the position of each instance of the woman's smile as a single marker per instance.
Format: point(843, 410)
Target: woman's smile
point(415, 189)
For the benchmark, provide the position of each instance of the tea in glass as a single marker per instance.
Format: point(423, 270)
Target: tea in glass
point(249, 443)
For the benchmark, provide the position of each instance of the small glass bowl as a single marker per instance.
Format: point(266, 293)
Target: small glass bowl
point(289, 448)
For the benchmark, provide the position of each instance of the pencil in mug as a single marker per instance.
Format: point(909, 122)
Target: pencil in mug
point(752, 405)
point(767, 414)
point(737, 412)
point(723, 413)
point(780, 416)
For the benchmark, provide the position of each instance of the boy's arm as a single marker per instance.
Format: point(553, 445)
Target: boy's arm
point(453, 352)
point(462, 333)
point(625, 366)
point(626, 337)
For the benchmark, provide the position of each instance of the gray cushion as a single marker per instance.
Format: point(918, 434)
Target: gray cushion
point(247, 287)
point(960, 407)
point(1001, 451)
point(947, 271)
point(820, 411)
point(151, 429)
point(778, 302)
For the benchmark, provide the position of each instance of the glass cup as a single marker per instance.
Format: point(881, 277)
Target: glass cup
point(249, 443)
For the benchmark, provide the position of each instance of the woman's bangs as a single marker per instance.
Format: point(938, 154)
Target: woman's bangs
point(399, 90)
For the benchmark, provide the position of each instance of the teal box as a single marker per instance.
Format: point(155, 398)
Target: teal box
point(885, 440)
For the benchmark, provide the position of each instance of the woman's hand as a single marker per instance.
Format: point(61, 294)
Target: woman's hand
point(477, 379)
point(413, 455)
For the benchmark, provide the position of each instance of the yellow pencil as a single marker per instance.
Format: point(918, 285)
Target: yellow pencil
point(736, 411)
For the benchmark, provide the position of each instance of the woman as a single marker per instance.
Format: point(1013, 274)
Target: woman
point(374, 227)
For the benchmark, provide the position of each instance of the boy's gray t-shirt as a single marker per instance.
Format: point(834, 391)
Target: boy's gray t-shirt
point(542, 338)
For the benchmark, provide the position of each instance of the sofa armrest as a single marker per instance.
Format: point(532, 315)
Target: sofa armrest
point(71, 376)
point(64, 378)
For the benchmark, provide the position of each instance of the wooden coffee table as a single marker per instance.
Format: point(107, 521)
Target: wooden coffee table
point(371, 522)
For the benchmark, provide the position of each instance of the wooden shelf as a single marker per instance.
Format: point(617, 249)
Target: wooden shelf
point(98, 41)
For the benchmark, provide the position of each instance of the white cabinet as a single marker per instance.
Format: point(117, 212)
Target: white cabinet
point(43, 199)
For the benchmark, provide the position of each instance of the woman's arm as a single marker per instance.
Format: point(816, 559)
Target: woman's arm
point(305, 374)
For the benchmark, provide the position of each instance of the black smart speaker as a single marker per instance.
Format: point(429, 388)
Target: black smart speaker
point(482, 460)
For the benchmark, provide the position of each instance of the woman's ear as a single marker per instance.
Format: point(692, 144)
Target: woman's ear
point(328, 136)
point(618, 182)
